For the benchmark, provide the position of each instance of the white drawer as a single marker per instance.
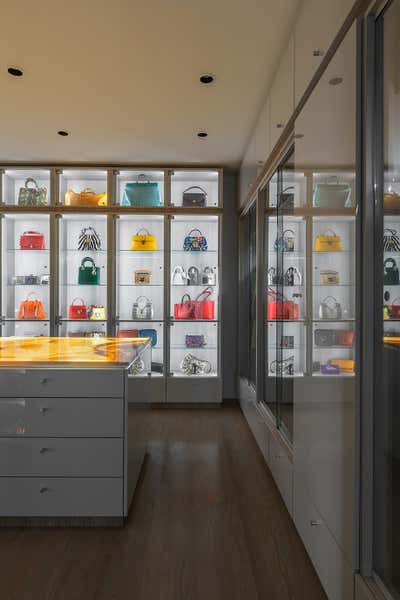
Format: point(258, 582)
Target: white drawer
point(61, 457)
point(282, 471)
point(84, 383)
point(334, 572)
point(66, 417)
point(61, 497)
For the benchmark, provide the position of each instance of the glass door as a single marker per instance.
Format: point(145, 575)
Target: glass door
point(194, 296)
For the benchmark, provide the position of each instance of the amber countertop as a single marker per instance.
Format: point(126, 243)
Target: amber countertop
point(70, 352)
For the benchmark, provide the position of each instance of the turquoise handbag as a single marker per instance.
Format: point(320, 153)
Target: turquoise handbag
point(142, 192)
point(332, 194)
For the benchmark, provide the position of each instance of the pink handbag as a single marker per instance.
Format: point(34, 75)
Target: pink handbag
point(203, 307)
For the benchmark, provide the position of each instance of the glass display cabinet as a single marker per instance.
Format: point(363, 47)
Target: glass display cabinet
point(25, 187)
point(140, 188)
point(82, 187)
point(195, 189)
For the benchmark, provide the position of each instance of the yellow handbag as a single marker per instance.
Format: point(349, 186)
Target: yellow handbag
point(143, 242)
point(96, 312)
point(391, 200)
point(328, 243)
point(86, 197)
point(345, 365)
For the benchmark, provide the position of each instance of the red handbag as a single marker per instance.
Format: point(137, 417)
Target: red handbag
point(77, 311)
point(344, 338)
point(281, 308)
point(32, 240)
point(395, 310)
point(128, 333)
point(203, 307)
point(185, 309)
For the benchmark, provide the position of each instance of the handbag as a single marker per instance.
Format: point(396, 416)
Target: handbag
point(330, 309)
point(344, 338)
point(285, 243)
point(142, 192)
point(26, 280)
point(292, 274)
point(149, 333)
point(209, 276)
point(279, 308)
point(45, 279)
point(394, 310)
point(286, 198)
point(324, 338)
point(195, 341)
point(32, 196)
point(332, 194)
point(142, 309)
point(330, 369)
point(287, 341)
point(283, 367)
point(191, 365)
point(96, 312)
point(89, 239)
point(328, 243)
point(329, 277)
point(31, 308)
point(386, 313)
point(86, 334)
point(86, 197)
point(391, 200)
point(142, 277)
point(88, 274)
point(137, 366)
point(77, 311)
point(32, 240)
point(195, 243)
point(143, 242)
point(128, 333)
point(275, 277)
point(184, 309)
point(203, 307)
point(196, 198)
point(179, 276)
point(345, 365)
point(391, 240)
point(193, 276)
point(390, 272)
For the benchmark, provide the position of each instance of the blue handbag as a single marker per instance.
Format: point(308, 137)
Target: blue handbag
point(142, 192)
point(195, 243)
point(149, 333)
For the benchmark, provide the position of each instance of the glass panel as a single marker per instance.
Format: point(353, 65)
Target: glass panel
point(195, 188)
point(83, 187)
point(252, 349)
point(140, 188)
point(17, 189)
point(194, 295)
point(140, 284)
point(26, 274)
point(83, 274)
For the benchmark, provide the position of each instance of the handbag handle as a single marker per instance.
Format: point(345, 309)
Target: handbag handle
point(396, 299)
point(87, 259)
point(332, 180)
point(147, 232)
point(287, 231)
point(193, 269)
point(185, 296)
point(329, 230)
point(391, 231)
point(31, 233)
point(78, 298)
point(195, 187)
point(36, 297)
point(178, 269)
point(324, 301)
point(142, 176)
point(146, 300)
point(276, 295)
point(88, 190)
point(198, 230)
point(207, 292)
point(31, 180)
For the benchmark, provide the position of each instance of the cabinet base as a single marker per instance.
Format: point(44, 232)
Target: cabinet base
point(62, 522)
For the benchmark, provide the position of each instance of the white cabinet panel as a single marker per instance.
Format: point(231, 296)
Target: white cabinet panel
point(282, 94)
point(282, 470)
point(316, 27)
point(262, 138)
point(248, 170)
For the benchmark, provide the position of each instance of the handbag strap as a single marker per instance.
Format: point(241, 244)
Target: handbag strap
point(395, 299)
point(195, 187)
point(329, 230)
point(178, 269)
point(142, 176)
point(193, 230)
point(31, 180)
point(147, 232)
point(204, 295)
point(392, 232)
point(36, 298)
point(78, 298)
point(145, 298)
point(87, 259)
point(325, 300)
point(89, 228)
point(185, 296)
point(88, 190)
point(276, 295)
point(193, 269)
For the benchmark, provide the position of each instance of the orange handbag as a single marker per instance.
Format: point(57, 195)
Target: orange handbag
point(31, 308)
point(345, 365)
point(86, 197)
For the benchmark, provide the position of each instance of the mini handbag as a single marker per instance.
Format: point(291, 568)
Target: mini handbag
point(128, 333)
point(330, 369)
point(209, 276)
point(287, 341)
point(143, 242)
point(324, 338)
point(88, 274)
point(96, 312)
point(330, 309)
point(285, 243)
point(32, 240)
point(137, 366)
point(204, 308)
point(196, 198)
point(77, 311)
point(394, 309)
point(149, 333)
point(195, 341)
point(184, 309)
point(275, 277)
point(193, 276)
point(390, 272)
point(26, 280)
point(179, 276)
point(195, 243)
point(32, 196)
point(332, 194)
point(45, 279)
point(191, 365)
point(292, 277)
point(142, 309)
point(283, 367)
point(31, 308)
point(329, 277)
point(328, 243)
point(142, 192)
point(391, 240)
point(89, 239)
point(86, 197)
point(142, 277)
point(345, 365)
point(344, 338)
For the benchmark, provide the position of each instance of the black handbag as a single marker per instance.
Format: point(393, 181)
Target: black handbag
point(390, 272)
point(324, 338)
point(195, 198)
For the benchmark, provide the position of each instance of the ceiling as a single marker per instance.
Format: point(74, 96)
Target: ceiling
point(122, 78)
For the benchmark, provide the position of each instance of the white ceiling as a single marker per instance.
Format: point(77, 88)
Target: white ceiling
point(122, 77)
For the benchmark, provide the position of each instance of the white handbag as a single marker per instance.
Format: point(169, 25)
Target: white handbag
point(179, 276)
point(209, 276)
point(142, 309)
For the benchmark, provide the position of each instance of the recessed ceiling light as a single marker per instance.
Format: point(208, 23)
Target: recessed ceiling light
point(336, 81)
point(207, 78)
point(15, 71)
point(63, 133)
point(202, 134)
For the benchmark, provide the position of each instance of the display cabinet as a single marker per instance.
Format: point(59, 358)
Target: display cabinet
point(82, 187)
point(144, 188)
point(195, 189)
point(25, 187)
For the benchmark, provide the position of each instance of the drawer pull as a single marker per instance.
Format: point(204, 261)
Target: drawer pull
point(315, 523)
point(44, 380)
point(43, 490)
point(280, 125)
point(43, 409)
point(318, 52)
point(43, 450)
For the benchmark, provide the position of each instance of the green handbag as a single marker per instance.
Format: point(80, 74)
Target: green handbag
point(88, 274)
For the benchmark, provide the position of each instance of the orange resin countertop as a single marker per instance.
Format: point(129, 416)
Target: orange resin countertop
point(70, 352)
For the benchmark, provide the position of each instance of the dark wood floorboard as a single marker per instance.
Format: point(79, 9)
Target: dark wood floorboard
point(207, 523)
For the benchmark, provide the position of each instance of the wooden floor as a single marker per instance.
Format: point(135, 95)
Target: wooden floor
point(207, 523)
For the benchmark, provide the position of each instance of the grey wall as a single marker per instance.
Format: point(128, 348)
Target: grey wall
point(230, 285)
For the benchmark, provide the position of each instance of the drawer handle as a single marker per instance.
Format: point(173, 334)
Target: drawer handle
point(43, 409)
point(280, 125)
point(44, 380)
point(43, 450)
point(318, 52)
point(44, 490)
point(315, 523)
